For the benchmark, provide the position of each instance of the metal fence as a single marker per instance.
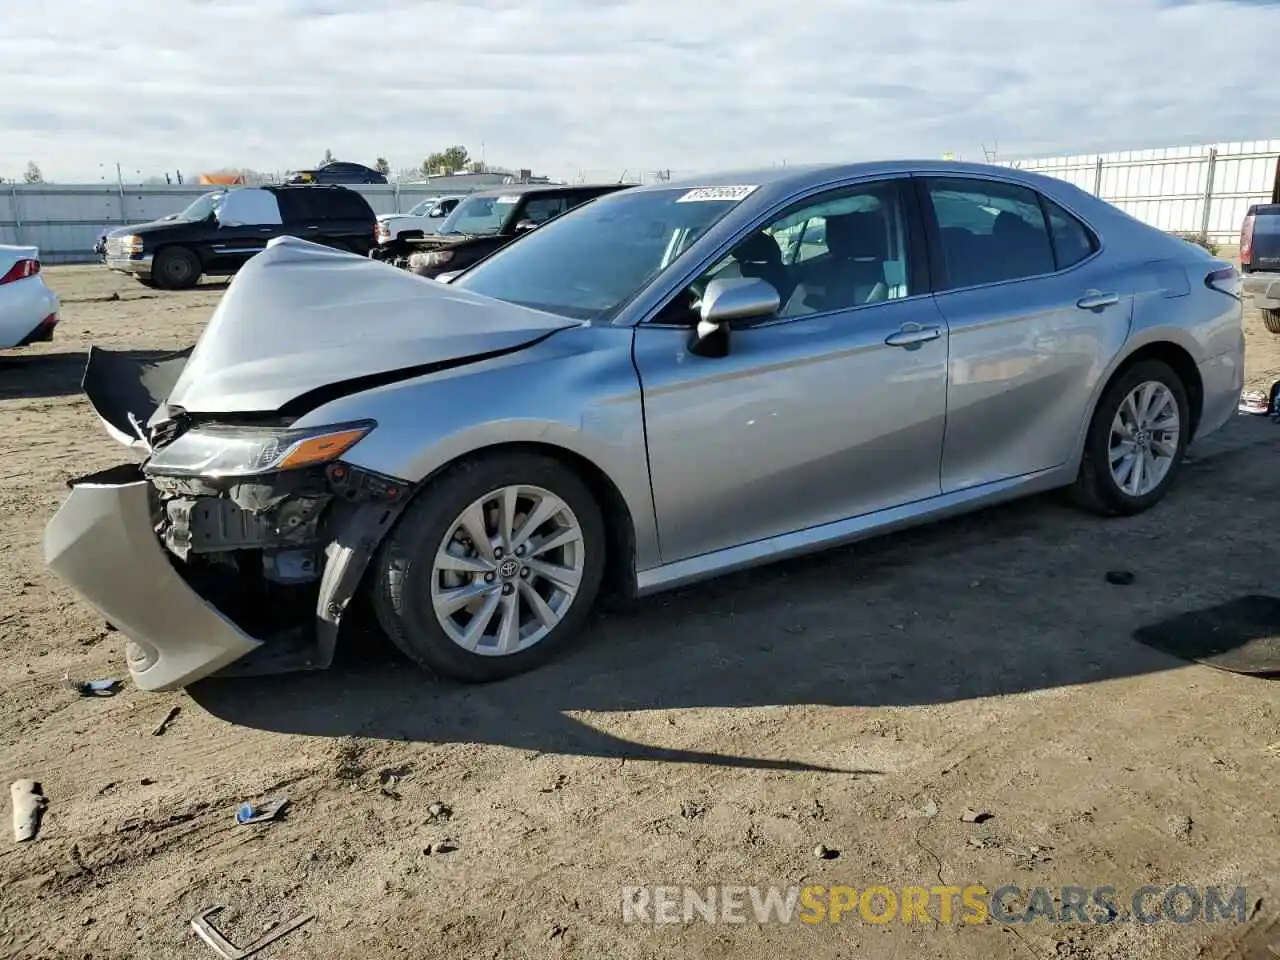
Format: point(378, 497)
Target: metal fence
point(1202, 189)
point(64, 220)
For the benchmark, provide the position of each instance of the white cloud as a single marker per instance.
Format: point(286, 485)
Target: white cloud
point(561, 85)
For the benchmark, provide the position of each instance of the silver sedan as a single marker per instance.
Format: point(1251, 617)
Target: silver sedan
point(665, 384)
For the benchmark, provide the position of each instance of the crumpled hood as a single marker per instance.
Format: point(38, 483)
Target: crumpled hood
point(300, 317)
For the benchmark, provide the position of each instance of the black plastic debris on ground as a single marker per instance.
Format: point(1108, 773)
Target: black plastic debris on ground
point(1241, 635)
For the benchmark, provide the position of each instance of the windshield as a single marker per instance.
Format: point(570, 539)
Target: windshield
point(479, 216)
point(590, 261)
point(201, 209)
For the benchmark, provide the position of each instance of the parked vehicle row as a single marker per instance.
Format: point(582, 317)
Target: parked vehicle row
point(664, 384)
point(218, 233)
point(484, 222)
point(419, 221)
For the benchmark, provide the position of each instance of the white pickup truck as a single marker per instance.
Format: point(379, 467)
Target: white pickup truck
point(420, 221)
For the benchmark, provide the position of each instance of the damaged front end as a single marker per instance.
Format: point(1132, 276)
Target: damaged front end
point(234, 549)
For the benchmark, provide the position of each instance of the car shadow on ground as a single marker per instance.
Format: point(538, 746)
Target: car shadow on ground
point(43, 375)
point(1009, 600)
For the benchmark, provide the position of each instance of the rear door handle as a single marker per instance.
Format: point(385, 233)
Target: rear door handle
point(912, 335)
point(1096, 300)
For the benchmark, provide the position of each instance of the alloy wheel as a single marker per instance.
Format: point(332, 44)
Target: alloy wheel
point(508, 570)
point(1144, 438)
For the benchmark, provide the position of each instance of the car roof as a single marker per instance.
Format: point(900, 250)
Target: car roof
point(789, 177)
point(519, 189)
point(1265, 210)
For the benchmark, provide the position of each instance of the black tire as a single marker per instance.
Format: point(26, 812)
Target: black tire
point(401, 587)
point(1095, 488)
point(176, 268)
point(148, 283)
point(1271, 320)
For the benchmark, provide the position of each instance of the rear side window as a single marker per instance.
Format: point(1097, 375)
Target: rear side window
point(1072, 241)
point(990, 231)
point(293, 206)
point(343, 205)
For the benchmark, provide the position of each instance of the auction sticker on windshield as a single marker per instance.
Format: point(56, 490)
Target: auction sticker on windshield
point(716, 193)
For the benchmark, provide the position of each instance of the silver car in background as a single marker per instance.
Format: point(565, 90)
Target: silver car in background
point(668, 383)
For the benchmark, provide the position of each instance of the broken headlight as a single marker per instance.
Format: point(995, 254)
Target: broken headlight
point(224, 451)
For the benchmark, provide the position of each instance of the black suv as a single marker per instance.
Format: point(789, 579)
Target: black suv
point(487, 221)
point(218, 233)
point(339, 171)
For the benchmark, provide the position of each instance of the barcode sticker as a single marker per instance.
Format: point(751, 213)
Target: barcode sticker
point(702, 194)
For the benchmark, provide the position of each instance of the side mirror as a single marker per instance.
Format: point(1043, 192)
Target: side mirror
point(726, 300)
point(526, 225)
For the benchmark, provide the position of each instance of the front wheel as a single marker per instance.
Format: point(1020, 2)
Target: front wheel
point(493, 569)
point(1136, 440)
point(175, 268)
point(1271, 320)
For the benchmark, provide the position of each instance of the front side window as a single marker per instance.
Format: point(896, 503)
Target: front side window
point(989, 231)
point(841, 250)
point(542, 209)
point(589, 262)
point(201, 208)
point(479, 216)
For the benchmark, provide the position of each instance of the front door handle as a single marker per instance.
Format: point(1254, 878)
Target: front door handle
point(912, 335)
point(1096, 300)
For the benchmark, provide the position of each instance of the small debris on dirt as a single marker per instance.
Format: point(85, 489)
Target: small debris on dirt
point(1120, 578)
point(930, 808)
point(93, 688)
point(1274, 749)
point(556, 784)
point(823, 852)
point(1026, 859)
point(1180, 826)
point(389, 784)
point(440, 846)
point(106, 788)
point(248, 813)
point(692, 810)
point(439, 812)
point(969, 815)
point(981, 842)
point(145, 782)
point(163, 725)
point(29, 804)
point(557, 930)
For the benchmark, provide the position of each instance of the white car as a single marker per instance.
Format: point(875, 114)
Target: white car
point(28, 309)
point(420, 221)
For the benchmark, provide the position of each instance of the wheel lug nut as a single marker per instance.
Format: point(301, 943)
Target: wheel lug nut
point(524, 572)
point(488, 578)
point(497, 552)
point(520, 551)
point(506, 589)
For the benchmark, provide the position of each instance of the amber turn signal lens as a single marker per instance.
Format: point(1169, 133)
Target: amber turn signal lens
point(321, 449)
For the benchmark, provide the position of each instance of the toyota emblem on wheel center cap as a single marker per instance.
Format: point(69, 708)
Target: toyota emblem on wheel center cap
point(508, 568)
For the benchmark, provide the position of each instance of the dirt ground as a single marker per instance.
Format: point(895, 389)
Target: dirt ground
point(861, 699)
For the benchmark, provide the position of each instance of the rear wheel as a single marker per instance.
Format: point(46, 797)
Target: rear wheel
point(493, 569)
point(175, 268)
point(1136, 440)
point(1271, 320)
point(147, 282)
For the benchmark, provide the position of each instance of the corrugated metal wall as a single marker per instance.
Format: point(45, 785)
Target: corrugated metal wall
point(1194, 189)
point(64, 220)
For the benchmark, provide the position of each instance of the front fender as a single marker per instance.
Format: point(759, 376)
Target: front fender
point(577, 391)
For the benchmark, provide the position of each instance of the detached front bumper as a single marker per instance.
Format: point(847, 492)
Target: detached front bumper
point(139, 266)
point(1263, 289)
point(103, 545)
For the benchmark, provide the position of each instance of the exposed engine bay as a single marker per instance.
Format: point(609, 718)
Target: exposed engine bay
point(281, 555)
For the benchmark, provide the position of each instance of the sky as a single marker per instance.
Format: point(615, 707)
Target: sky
point(607, 86)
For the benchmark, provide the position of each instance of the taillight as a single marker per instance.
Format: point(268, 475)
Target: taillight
point(21, 270)
point(1246, 241)
point(1227, 280)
